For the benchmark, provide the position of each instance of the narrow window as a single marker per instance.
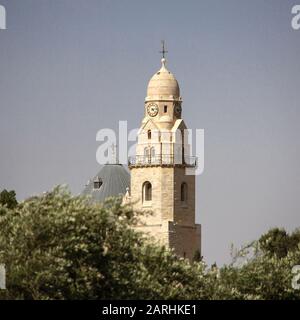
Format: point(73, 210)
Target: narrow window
point(183, 192)
point(147, 191)
point(147, 157)
point(152, 152)
point(149, 134)
point(165, 109)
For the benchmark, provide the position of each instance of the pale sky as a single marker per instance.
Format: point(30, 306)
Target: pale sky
point(71, 67)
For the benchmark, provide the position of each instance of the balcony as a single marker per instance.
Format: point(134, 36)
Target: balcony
point(162, 160)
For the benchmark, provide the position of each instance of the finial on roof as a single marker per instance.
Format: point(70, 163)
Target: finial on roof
point(163, 51)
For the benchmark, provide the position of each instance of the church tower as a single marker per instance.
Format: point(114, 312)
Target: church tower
point(162, 171)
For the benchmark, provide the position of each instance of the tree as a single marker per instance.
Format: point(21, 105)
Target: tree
point(8, 198)
point(294, 240)
point(278, 242)
point(261, 270)
point(197, 256)
point(56, 246)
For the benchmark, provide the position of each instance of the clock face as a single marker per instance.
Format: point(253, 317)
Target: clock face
point(152, 109)
point(178, 109)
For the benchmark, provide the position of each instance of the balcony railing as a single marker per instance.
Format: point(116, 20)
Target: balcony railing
point(164, 159)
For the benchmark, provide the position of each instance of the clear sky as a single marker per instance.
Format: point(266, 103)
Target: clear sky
point(71, 67)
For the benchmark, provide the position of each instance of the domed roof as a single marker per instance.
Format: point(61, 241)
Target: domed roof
point(112, 180)
point(163, 84)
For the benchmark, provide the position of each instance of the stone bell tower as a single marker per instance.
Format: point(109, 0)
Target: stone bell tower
point(162, 172)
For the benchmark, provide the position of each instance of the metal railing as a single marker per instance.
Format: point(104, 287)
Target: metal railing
point(162, 159)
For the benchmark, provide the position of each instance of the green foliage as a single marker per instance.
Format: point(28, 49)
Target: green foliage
point(262, 277)
point(197, 256)
point(278, 242)
point(8, 198)
point(56, 246)
point(61, 247)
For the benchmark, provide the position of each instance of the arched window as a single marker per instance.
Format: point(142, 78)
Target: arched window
point(149, 134)
point(183, 192)
point(147, 191)
point(146, 155)
point(152, 152)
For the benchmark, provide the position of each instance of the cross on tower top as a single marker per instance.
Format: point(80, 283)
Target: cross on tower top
point(163, 51)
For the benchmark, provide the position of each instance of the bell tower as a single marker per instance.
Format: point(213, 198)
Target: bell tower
point(162, 171)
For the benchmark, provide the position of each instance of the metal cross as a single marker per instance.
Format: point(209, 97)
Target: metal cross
point(163, 48)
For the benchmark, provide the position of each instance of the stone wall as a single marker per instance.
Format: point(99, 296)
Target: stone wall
point(171, 221)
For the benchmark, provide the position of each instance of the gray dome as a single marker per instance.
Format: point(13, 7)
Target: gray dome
point(112, 180)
